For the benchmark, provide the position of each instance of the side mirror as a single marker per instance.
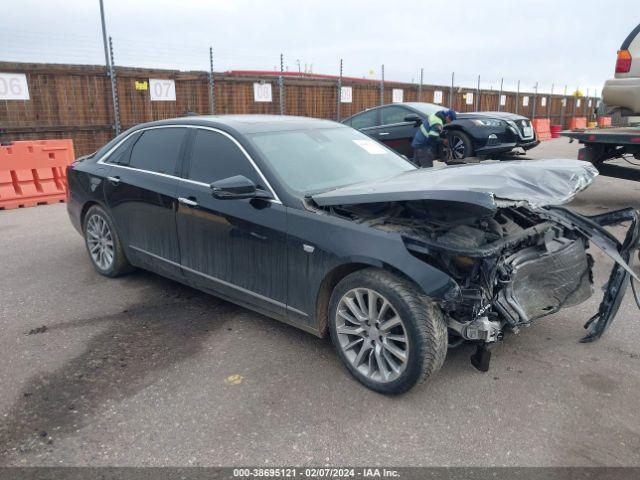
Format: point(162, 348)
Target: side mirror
point(413, 117)
point(238, 187)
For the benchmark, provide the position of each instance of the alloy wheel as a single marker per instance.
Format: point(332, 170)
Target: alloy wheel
point(372, 335)
point(100, 242)
point(456, 144)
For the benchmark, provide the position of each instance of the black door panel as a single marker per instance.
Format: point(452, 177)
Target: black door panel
point(143, 206)
point(142, 196)
point(234, 246)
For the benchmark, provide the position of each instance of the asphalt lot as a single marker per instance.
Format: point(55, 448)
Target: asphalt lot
point(144, 371)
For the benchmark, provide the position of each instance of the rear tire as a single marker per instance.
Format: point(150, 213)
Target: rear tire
point(460, 145)
point(372, 348)
point(103, 243)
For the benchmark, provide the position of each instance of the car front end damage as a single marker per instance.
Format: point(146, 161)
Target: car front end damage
point(516, 254)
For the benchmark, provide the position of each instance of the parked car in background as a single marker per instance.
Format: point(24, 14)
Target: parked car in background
point(473, 134)
point(315, 224)
point(623, 91)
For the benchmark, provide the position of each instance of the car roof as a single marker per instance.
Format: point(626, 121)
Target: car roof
point(245, 124)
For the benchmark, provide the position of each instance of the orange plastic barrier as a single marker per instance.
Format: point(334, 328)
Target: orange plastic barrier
point(604, 121)
point(542, 127)
point(577, 122)
point(34, 172)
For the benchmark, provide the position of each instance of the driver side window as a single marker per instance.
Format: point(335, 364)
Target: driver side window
point(215, 157)
point(394, 114)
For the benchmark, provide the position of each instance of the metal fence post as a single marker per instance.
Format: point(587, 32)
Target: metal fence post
point(281, 84)
point(114, 90)
point(212, 90)
point(478, 95)
point(549, 100)
point(420, 85)
point(563, 106)
point(451, 91)
point(575, 100)
point(518, 97)
point(339, 106)
point(535, 99)
point(500, 95)
point(382, 86)
point(585, 106)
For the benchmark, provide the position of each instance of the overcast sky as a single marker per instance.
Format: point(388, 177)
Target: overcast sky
point(561, 42)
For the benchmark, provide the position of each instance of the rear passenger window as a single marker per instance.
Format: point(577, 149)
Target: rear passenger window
point(120, 155)
point(215, 156)
point(157, 150)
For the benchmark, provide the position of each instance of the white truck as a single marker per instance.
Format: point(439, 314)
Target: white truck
point(621, 93)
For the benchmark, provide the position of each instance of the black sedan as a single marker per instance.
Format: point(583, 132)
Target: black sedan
point(473, 134)
point(315, 224)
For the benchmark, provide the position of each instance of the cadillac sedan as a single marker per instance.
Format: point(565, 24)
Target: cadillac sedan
point(317, 225)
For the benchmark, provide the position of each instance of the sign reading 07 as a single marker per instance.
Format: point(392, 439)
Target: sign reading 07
point(13, 86)
point(162, 90)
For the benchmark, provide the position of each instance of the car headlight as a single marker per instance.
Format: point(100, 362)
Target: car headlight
point(488, 122)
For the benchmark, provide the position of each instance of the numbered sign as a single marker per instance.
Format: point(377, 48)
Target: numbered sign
point(543, 101)
point(397, 95)
point(262, 92)
point(578, 102)
point(346, 94)
point(469, 98)
point(437, 96)
point(503, 100)
point(589, 104)
point(525, 101)
point(564, 102)
point(162, 90)
point(13, 86)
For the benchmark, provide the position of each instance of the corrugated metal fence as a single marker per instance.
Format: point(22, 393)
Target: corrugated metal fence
point(74, 101)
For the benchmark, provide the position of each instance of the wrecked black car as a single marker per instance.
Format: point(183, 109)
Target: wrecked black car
point(315, 224)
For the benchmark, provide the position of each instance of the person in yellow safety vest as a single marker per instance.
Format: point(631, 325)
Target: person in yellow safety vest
point(426, 141)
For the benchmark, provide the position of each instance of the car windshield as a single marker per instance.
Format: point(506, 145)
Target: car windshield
point(426, 108)
point(311, 161)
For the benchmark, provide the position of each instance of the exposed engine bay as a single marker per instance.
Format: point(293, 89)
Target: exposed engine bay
point(513, 266)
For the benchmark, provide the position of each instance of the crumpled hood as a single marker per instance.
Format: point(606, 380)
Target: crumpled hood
point(536, 182)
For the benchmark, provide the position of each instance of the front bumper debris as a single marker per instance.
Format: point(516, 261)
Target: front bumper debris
point(622, 253)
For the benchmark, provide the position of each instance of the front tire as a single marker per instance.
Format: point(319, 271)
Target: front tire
point(460, 146)
point(103, 243)
point(389, 335)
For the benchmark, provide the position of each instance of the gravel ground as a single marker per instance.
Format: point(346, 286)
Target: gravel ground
point(144, 371)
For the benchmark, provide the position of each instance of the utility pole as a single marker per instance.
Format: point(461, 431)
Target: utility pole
point(104, 35)
point(500, 95)
point(478, 95)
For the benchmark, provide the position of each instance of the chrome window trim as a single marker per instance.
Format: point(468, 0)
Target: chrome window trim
point(220, 281)
point(105, 157)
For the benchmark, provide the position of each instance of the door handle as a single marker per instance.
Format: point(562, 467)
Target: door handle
point(383, 133)
point(188, 202)
point(114, 180)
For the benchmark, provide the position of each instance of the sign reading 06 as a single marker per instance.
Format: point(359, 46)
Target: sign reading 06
point(13, 86)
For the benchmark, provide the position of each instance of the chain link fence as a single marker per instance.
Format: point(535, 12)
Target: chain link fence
point(80, 102)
